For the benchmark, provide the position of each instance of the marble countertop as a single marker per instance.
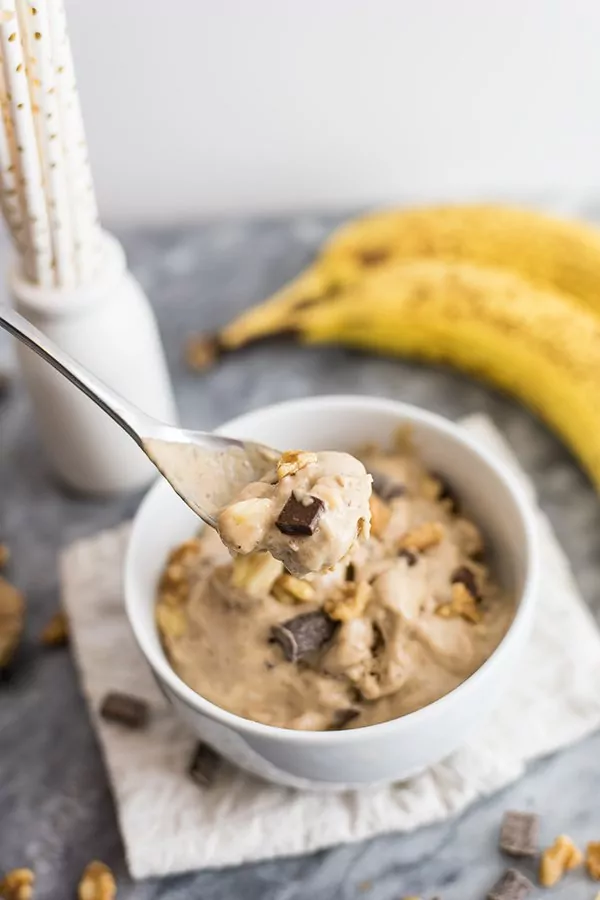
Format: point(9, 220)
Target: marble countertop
point(56, 807)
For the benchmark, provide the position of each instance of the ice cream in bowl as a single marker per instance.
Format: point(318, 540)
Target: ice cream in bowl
point(360, 672)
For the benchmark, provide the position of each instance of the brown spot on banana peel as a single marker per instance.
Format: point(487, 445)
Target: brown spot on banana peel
point(553, 253)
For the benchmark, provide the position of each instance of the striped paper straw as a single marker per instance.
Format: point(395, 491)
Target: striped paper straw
point(10, 194)
point(28, 167)
point(42, 77)
point(84, 210)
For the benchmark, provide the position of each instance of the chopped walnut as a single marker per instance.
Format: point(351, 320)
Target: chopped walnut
point(469, 537)
point(562, 856)
point(380, 515)
point(97, 883)
point(293, 460)
point(171, 620)
point(4, 555)
point(174, 585)
point(186, 553)
point(201, 352)
point(174, 573)
point(17, 885)
point(463, 603)
point(422, 537)
point(349, 601)
point(431, 487)
point(289, 589)
point(56, 631)
point(255, 573)
point(12, 618)
point(592, 859)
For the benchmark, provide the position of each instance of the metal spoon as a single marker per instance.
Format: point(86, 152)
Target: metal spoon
point(206, 470)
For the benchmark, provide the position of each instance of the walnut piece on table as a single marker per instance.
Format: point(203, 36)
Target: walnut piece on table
point(561, 857)
point(97, 883)
point(12, 619)
point(17, 885)
point(56, 631)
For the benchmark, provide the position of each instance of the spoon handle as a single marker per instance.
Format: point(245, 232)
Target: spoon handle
point(125, 414)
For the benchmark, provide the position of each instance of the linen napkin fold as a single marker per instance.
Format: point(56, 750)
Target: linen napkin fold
point(170, 825)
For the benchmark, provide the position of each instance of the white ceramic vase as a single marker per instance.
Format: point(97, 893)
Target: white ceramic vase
point(108, 326)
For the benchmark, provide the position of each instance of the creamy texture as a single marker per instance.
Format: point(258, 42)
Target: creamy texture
point(336, 481)
point(207, 473)
point(414, 611)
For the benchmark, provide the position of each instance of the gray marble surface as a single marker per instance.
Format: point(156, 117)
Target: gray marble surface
point(56, 810)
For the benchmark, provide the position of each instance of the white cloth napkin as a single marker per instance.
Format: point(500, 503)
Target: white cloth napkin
point(171, 825)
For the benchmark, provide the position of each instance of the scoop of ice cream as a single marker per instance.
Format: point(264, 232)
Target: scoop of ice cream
point(308, 512)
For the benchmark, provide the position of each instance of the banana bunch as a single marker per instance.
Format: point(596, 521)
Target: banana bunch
point(508, 295)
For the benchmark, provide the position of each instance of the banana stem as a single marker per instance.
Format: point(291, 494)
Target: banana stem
point(275, 314)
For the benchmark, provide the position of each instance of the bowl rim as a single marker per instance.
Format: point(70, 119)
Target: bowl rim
point(399, 410)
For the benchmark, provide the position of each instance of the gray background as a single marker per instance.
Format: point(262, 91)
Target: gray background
point(56, 811)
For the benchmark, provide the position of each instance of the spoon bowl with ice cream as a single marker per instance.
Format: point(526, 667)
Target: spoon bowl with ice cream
point(306, 509)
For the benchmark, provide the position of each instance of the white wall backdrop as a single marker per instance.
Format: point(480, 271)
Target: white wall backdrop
point(201, 106)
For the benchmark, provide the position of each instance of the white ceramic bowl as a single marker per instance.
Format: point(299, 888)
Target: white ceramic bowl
point(378, 753)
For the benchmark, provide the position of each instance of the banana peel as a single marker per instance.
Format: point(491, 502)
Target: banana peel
point(539, 344)
point(549, 252)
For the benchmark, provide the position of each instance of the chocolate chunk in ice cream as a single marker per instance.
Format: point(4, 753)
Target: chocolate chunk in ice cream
point(341, 717)
point(387, 488)
point(304, 633)
point(447, 492)
point(464, 575)
point(410, 557)
point(298, 518)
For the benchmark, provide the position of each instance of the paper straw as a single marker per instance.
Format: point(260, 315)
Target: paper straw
point(12, 201)
point(84, 210)
point(46, 192)
point(28, 162)
point(9, 188)
point(42, 76)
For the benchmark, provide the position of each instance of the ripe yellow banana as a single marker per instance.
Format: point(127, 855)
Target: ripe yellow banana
point(551, 253)
point(548, 251)
point(540, 345)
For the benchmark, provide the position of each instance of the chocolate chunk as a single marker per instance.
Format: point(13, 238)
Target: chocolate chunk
point(386, 488)
point(519, 835)
point(304, 633)
point(378, 642)
point(204, 765)
point(350, 572)
point(464, 575)
point(341, 717)
point(299, 518)
point(125, 709)
point(446, 492)
point(513, 885)
point(410, 557)
point(373, 256)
